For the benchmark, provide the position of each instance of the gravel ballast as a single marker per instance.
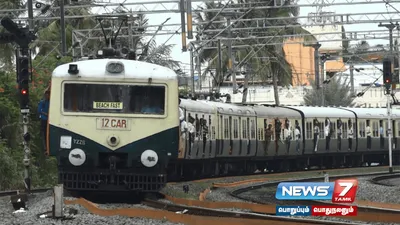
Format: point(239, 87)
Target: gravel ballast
point(41, 203)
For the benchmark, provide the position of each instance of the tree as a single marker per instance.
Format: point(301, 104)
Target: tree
point(267, 62)
point(336, 93)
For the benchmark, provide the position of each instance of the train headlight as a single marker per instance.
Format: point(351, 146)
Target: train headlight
point(149, 158)
point(115, 67)
point(77, 157)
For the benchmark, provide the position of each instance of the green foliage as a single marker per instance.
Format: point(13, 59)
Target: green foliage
point(335, 93)
point(264, 61)
point(43, 171)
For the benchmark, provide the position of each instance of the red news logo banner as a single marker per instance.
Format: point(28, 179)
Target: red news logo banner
point(334, 210)
point(345, 191)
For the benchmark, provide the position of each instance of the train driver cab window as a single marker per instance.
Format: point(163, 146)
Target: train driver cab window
point(121, 98)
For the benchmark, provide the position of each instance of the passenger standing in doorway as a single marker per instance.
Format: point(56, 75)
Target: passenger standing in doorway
point(278, 131)
point(287, 133)
point(368, 131)
point(268, 138)
point(381, 136)
point(327, 134)
point(297, 136)
point(316, 134)
point(43, 111)
point(339, 134)
point(350, 136)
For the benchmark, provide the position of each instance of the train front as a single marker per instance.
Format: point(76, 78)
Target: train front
point(113, 125)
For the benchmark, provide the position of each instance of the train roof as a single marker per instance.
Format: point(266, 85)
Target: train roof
point(373, 113)
point(197, 106)
point(96, 68)
point(230, 109)
point(323, 112)
point(275, 111)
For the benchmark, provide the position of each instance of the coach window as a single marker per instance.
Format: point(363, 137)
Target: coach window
point(344, 130)
point(375, 129)
point(253, 129)
point(361, 128)
point(114, 98)
point(213, 133)
point(309, 131)
point(398, 128)
point(226, 128)
point(244, 129)
point(235, 129)
point(385, 128)
point(322, 130)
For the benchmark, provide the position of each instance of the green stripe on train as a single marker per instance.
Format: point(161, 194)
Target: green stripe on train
point(167, 140)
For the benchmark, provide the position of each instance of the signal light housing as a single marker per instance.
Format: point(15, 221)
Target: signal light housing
point(387, 73)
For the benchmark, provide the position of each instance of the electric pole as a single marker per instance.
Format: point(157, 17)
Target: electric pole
point(387, 75)
point(231, 61)
point(316, 47)
point(352, 79)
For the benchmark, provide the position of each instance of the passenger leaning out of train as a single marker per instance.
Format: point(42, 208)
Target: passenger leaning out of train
point(350, 135)
point(43, 111)
point(287, 135)
point(368, 132)
point(297, 136)
point(316, 134)
point(268, 137)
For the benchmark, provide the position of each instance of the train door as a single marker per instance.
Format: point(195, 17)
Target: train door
point(394, 132)
point(211, 137)
point(230, 136)
point(241, 147)
point(248, 146)
point(221, 132)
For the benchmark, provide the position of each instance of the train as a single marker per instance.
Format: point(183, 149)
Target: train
point(114, 125)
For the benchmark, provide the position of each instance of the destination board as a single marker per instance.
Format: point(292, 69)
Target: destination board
point(108, 105)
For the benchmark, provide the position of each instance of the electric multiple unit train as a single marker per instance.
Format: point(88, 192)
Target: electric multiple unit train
point(114, 126)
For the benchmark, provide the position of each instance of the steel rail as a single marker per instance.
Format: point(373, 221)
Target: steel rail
point(236, 193)
point(378, 180)
point(200, 211)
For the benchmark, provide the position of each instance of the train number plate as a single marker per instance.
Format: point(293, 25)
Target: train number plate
point(109, 123)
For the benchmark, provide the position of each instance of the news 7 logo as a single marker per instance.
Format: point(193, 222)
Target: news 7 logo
point(340, 191)
point(345, 191)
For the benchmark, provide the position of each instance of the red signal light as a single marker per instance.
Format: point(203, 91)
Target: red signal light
point(387, 81)
point(24, 92)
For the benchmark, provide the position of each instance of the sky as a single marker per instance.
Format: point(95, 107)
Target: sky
point(183, 57)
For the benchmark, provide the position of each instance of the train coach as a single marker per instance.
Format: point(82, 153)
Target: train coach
point(113, 124)
point(232, 139)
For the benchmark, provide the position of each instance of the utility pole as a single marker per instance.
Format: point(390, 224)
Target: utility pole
point(220, 74)
point(198, 70)
point(323, 60)
point(389, 26)
point(231, 61)
point(183, 24)
point(192, 68)
point(63, 35)
point(316, 47)
point(352, 79)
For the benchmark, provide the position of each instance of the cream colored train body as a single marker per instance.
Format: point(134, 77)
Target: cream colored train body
point(113, 124)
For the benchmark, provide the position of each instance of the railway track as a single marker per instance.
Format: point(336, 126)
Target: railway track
point(380, 180)
point(365, 213)
point(15, 192)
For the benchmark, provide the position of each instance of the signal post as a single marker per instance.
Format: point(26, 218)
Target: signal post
point(22, 37)
point(388, 80)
